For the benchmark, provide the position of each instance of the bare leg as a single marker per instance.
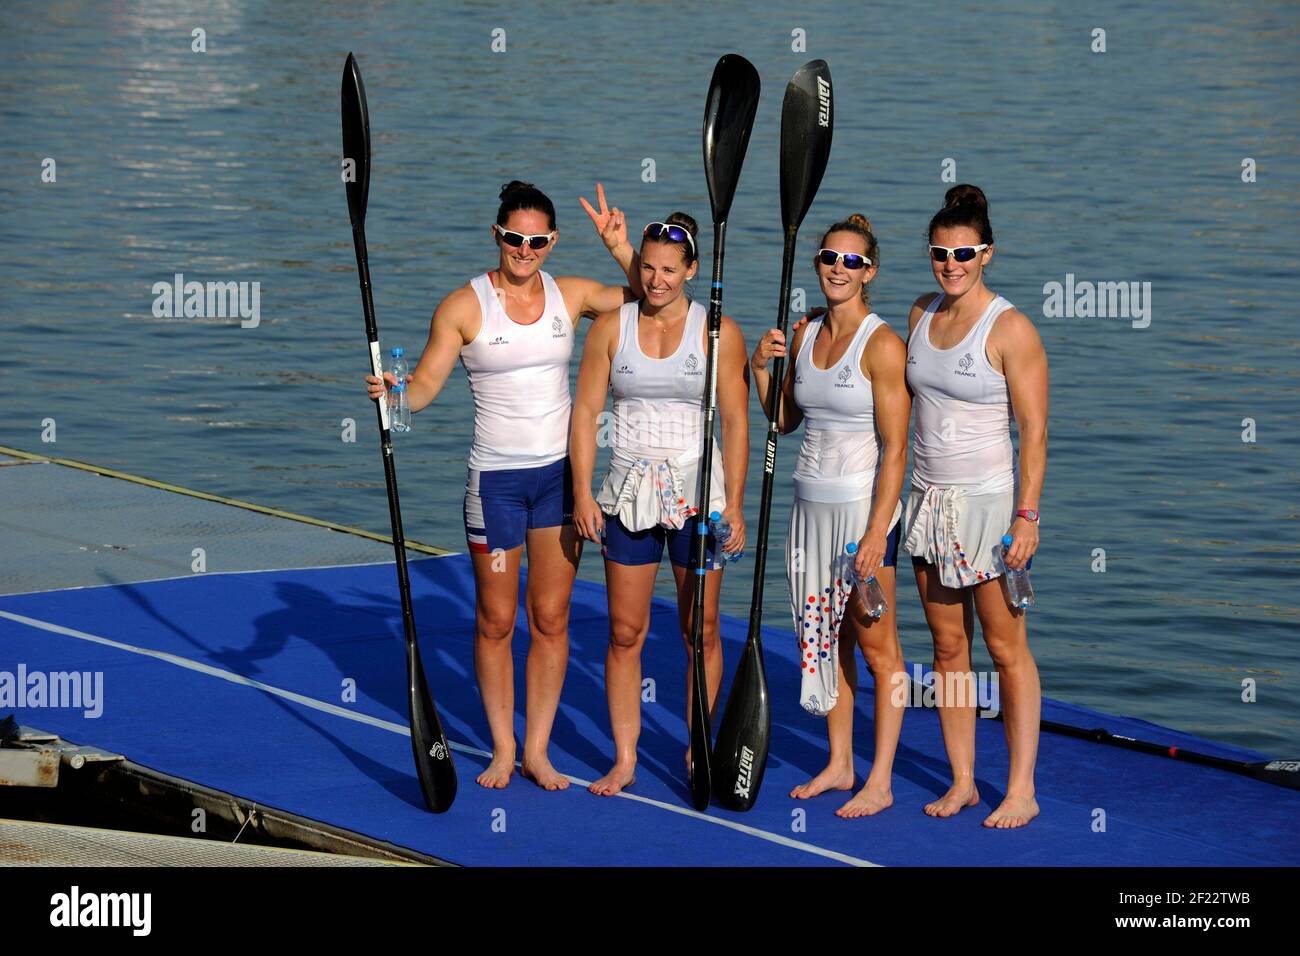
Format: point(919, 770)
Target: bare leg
point(496, 577)
point(1021, 700)
point(838, 773)
point(552, 565)
point(879, 642)
point(712, 642)
point(628, 590)
point(952, 625)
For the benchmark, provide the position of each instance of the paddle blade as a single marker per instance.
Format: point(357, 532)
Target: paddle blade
point(745, 734)
point(1284, 773)
point(806, 122)
point(428, 742)
point(356, 142)
point(728, 120)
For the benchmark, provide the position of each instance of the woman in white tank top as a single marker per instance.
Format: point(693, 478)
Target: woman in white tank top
point(651, 356)
point(513, 329)
point(846, 385)
point(974, 362)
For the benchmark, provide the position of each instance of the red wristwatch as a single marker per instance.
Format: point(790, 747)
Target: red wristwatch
point(1029, 514)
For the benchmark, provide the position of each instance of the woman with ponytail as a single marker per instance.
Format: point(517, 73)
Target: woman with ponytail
point(846, 385)
point(973, 363)
point(513, 330)
point(651, 355)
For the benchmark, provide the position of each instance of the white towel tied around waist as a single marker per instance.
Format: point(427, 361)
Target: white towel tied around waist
point(957, 528)
point(645, 491)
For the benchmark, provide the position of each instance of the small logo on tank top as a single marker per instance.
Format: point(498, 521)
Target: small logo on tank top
point(691, 365)
point(966, 362)
point(623, 370)
point(911, 360)
point(500, 340)
point(846, 373)
point(557, 328)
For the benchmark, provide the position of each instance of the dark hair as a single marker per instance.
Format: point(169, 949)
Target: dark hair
point(858, 225)
point(964, 205)
point(517, 195)
point(687, 223)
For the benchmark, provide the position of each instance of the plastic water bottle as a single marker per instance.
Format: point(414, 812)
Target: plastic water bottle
point(873, 595)
point(722, 534)
point(1015, 581)
point(399, 401)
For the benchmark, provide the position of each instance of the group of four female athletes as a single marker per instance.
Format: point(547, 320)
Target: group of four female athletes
point(971, 362)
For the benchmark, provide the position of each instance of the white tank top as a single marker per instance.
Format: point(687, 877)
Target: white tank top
point(962, 436)
point(654, 464)
point(658, 402)
point(519, 377)
point(840, 453)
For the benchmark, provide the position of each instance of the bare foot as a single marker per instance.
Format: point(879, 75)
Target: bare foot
point(539, 771)
point(614, 781)
point(868, 801)
point(498, 772)
point(832, 778)
point(958, 797)
point(1012, 812)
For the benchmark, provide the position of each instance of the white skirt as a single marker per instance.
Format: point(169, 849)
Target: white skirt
point(958, 530)
point(819, 574)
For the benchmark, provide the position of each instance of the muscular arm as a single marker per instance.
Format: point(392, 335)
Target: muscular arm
point(447, 334)
point(591, 298)
point(885, 363)
point(790, 415)
point(1020, 351)
point(593, 386)
point(733, 406)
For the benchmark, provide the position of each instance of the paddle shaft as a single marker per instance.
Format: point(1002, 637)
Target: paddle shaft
point(776, 375)
point(385, 434)
point(701, 731)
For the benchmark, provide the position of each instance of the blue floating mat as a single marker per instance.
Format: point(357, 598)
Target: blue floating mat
point(288, 688)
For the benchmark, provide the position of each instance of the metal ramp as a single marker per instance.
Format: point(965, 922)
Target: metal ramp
point(51, 844)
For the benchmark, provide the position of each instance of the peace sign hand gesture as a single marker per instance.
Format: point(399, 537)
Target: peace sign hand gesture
point(609, 223)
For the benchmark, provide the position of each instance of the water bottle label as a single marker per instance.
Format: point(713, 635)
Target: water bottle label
point(377, 369)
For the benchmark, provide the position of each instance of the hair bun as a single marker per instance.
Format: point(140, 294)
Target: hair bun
point(686, 222)
point(965, 194)
point(511, 186)
point(857, 219)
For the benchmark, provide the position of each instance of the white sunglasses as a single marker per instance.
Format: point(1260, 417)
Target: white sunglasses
point(960, 253)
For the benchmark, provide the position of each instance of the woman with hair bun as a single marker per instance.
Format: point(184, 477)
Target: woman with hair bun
point(973, 363)
point(513, 330)
point(651, 355)
point(846, 385)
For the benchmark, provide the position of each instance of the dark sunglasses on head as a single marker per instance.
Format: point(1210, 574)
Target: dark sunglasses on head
point(670, 232)
point(828, 257)
point(960, 253)
point(516, 239)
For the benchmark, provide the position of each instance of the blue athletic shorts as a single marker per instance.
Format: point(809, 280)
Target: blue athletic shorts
point(891, 547)
point(647, 547)
point(501, 506)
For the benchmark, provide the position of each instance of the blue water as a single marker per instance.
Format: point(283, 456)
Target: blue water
point(1115, 166)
